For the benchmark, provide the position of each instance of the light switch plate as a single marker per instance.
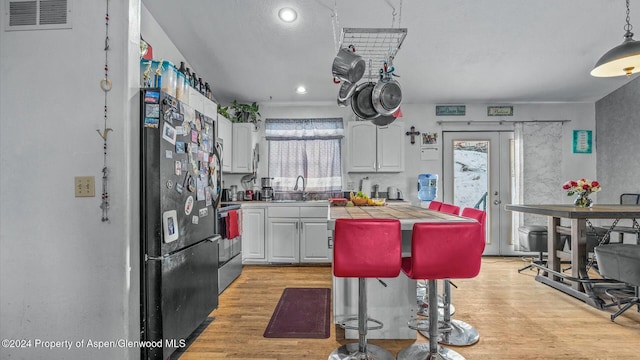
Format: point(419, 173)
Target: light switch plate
point(85, 186)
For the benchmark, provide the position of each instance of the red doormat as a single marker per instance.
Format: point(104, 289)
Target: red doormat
point(301, 313)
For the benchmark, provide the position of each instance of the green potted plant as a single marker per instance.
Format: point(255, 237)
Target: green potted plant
point(224, 111)
point(245, 112)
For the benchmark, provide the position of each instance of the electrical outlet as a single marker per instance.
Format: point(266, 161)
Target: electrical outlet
point(85, 186)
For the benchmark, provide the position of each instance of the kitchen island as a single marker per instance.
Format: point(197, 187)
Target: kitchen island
point(395, 301)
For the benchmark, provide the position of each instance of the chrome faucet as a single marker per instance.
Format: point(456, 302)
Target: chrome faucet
point(304, 186)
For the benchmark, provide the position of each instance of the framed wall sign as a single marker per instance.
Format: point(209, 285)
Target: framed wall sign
point(499, 110)
point(450, 110)
point(582, 141)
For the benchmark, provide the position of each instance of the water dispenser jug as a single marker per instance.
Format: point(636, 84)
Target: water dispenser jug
point(427, 187)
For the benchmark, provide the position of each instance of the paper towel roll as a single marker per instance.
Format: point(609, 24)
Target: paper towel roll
point(365, 186)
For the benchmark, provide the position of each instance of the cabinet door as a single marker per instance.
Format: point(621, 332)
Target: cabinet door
point(253, 239)
point(210, 108)
point(196, 100)
point(391, 147)
point(284, 240)
point(314, 241)
point(242, 148)
point(225, 134)
point(362, 146)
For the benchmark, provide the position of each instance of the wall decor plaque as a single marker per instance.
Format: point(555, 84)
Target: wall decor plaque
point(451, 110)
point(582, 141)
point(499, 110)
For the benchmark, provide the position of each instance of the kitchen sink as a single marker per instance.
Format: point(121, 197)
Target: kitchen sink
point(296, 196)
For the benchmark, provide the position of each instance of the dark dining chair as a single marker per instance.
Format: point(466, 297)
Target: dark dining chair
point(621, 262)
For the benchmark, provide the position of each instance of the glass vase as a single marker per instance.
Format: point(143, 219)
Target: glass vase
point(582, 200)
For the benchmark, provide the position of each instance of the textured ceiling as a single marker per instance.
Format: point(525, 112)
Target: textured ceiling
point(455, 51)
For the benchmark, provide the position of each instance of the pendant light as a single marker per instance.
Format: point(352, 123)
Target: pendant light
point(623, 59)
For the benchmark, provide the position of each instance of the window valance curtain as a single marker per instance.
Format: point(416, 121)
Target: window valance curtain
point(304, 129)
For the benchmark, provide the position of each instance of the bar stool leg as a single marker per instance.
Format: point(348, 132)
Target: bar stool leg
point(361, 350)
point(455, 332)
point(423, 301)
point(430, 351)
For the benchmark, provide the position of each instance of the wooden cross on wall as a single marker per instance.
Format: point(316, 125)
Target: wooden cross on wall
point(413, 133)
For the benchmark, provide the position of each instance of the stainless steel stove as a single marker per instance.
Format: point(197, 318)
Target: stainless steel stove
point(229, 250)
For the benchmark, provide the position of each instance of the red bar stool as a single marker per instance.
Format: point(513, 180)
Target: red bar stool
point(423, 307)
point(435, 205)
point(457, 332)
point(441, 251)
point(450, 209)
point(365, 248)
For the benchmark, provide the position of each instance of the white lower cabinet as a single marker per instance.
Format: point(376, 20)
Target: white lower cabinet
point(298, 234)
point(253, 236)
point(315, 240)
point(284, 240)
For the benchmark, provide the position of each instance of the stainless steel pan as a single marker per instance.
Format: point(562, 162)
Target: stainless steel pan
point(386, 96)
point(361, 102)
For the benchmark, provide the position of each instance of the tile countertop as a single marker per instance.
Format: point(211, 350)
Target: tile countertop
point(407, 214)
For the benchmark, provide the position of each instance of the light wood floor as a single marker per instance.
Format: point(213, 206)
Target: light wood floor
point(516, 316)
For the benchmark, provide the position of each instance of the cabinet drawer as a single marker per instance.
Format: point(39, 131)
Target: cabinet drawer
point(314, 211)
point(284, 211)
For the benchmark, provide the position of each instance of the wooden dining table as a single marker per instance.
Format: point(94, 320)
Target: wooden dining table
point(395, 301)
point(578, 284)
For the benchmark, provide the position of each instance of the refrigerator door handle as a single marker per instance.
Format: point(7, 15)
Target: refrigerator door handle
point(147, 257)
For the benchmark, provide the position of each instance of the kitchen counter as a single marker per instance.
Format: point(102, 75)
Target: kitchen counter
point(279, 203)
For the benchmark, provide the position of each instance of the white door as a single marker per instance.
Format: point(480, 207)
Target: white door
point(479, 172)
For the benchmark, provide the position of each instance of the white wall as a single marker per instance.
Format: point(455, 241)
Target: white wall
point(163, 47)
point(65, 274)
point(422, 116)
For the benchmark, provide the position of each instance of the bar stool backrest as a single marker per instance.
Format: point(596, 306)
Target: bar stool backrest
point(367, 248)
point(480, 216)
point(445, 250)
point(450, 209)
point(435, 205)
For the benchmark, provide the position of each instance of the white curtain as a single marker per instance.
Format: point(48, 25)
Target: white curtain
point(538, 151)
point(307, 147)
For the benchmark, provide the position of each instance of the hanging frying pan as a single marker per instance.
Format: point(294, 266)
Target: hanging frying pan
point(361, 101)
point(383, 120)
point(386, 96)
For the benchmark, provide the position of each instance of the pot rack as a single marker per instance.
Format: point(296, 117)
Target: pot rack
point(374, 45)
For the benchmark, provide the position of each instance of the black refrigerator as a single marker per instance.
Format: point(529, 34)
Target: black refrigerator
point(180, 188)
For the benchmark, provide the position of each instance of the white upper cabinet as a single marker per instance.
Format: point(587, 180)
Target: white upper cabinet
point(243, 144)
point(375, 148)
point(225, 134)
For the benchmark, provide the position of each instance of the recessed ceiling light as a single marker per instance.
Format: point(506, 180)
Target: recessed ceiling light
point(301, 90)
point(287, 15)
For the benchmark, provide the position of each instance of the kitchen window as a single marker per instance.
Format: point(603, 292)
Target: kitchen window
point(307, 147)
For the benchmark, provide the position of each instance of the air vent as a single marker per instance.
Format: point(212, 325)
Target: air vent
point(37, 14)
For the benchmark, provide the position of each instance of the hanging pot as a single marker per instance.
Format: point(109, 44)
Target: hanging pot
point(383, 120)
point(386, 96)
point(346, 92)
point(361, 102)
point(348, 66)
